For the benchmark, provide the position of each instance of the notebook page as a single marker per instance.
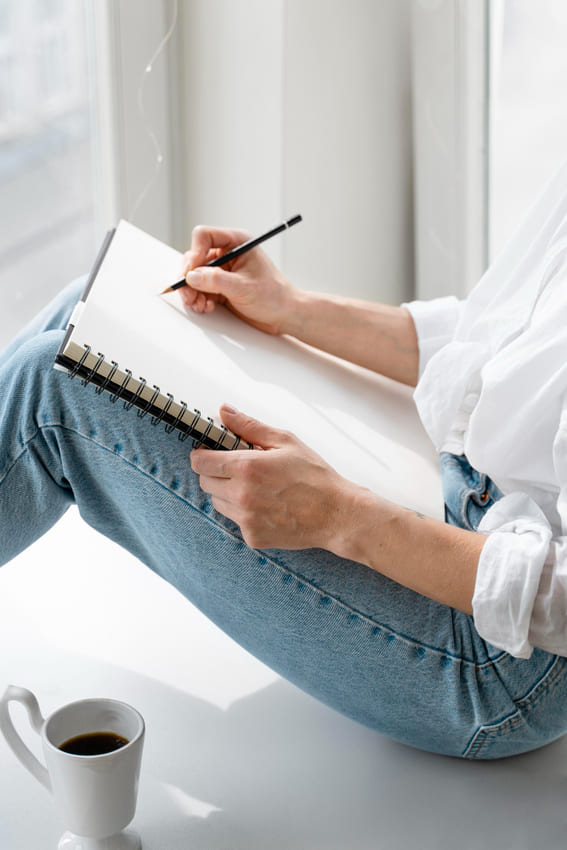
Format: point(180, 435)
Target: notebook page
point(364, 425)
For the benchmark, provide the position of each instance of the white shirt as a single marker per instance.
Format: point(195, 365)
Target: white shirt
point(493, 386)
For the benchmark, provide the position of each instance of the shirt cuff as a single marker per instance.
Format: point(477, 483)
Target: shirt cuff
point(435, 323)
point(509, 571)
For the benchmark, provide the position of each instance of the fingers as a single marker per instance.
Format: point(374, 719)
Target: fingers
point(210, 464)
point(221, 491)
point(233, 480)
point(212, 280)
point(209, 242)
point(199, 302)
point(207, 286)
point(252, 430)
point(219, 464)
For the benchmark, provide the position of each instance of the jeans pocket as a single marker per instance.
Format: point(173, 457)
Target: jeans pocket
point(498, 740)
point(536, 719)
point(468, 494)
point(475, 502)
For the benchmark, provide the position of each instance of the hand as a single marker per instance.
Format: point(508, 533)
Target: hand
point(250, 286)
point(282, 494)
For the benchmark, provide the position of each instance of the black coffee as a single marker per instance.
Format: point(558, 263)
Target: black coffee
point(93, 744)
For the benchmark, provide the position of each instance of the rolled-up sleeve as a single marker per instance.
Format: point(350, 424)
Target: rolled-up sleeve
point(548, 627)
point(520, 596)
point(509, 573)
point(435, 323)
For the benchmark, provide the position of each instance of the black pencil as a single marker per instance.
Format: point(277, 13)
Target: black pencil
point(240, 249)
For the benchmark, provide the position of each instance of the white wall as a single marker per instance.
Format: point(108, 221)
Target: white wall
point(304, 106)
point(135, 116)
point(232, 65)
point(449, 65)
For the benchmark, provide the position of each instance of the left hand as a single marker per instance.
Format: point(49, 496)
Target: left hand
point(282, 495)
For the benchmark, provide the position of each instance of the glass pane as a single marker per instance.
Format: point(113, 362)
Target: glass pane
point(47, 232)
point(528, 95)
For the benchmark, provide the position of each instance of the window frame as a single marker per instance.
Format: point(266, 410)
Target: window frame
point(451, 88)
point(131, 106)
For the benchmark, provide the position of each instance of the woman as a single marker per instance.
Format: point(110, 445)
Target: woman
point(447, 636)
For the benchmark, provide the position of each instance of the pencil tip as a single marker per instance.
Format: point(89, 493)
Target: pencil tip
point(165, 291)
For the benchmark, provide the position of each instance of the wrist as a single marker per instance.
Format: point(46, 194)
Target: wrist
point(427, 555)
point(356, 511)
point(292, 310)
point(302, 311)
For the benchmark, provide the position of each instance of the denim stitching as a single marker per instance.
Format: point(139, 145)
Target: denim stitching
point(354, 614)
point(544, 685)
point(10, 463)
point(487, 733)
point(463, 504)
point(377, 628)
point(473, 495)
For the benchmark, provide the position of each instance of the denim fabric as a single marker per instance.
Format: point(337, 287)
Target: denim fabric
point(387, 657)
point(467, 493)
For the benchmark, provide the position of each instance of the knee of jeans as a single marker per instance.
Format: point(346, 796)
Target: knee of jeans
point(32, 377)
point(28, 385)
point(37, 354)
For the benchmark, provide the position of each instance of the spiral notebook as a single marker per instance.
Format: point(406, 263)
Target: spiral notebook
point(175, 368)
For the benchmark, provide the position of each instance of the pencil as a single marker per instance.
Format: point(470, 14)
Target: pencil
point(240, 249)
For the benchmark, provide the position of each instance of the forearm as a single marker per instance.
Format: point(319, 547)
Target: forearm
point(286, 496)
point(431, 557)
point(377, 336)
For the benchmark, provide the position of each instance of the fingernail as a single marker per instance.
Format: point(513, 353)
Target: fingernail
point(195, 279)
point(229, 408)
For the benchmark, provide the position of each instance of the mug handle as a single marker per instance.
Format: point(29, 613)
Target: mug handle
point(14, 741)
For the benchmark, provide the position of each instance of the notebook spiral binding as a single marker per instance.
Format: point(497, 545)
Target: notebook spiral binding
point(175, 415)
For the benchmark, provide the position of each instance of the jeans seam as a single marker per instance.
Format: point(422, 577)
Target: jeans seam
point(515, 718)
point(11, 462)
point(377, 627)
point(480, 735)
point(544, 685)
point(465, 496)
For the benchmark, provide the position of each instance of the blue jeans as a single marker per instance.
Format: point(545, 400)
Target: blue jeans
point(384, 655)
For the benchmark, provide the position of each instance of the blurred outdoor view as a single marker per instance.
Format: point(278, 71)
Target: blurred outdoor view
point(528, 107)
point(47, 224)
point(46, 186)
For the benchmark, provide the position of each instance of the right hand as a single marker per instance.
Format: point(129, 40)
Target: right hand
point(250, 286)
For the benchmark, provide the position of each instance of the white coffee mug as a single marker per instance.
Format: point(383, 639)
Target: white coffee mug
point(95, 794)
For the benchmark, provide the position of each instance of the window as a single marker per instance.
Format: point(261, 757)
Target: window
point(490, 106)
point(528, 107)
point(46, 186)
point(77, 145)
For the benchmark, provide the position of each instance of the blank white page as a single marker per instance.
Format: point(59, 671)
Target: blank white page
point(365, 425)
